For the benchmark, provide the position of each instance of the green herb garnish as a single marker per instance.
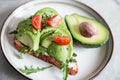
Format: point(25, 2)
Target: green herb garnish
point(13, 32)
point(22, 50)
point(31, 70)
point(21, 56)
point(74, 54)
point(65, 69)
point(72, 60)
point(41, 50)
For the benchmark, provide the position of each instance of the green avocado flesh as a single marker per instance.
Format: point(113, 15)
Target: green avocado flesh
point(28, 35)
point(74, 21)
point(33, 38)
point(46, 13)
point(47, 37)
point(46, 40)
point(58, 51)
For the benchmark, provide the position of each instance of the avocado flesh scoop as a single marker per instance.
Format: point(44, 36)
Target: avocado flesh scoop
point(28, 35)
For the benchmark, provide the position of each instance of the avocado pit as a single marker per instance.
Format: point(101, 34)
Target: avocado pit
point(88, 29)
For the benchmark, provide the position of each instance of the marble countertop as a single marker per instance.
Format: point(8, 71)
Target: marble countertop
point(109, 9)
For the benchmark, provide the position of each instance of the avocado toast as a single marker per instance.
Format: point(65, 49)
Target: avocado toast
point(45, 36)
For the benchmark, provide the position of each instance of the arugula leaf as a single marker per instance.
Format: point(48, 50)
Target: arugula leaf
point(65, 69)
point(13, 32)
point(74, 54)
point(41, 50)
point(20, 56)
point(22, 50)
point(31, 70)
point(72, 60)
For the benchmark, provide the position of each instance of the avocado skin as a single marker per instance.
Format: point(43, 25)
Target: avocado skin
point(87, 45)
point(58, 51)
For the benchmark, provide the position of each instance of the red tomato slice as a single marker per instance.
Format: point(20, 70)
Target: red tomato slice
point(62, 40)
point(54, 21)
point(37, 22)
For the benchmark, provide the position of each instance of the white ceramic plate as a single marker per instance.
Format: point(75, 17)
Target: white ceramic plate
point(91, 61)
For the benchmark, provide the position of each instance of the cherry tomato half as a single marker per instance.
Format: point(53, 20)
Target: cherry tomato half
point(62, 40)
point(37, 22)
point(54, 21)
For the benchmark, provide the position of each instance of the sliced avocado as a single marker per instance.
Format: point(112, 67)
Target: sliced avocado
point(58, 51)
point(47, 35)
point(74, 22)
point(65, 31)
point(47, 38)
point(46, 13)
point(46, 31)
point(62, 24)
point(45, 10)
point(28, 35)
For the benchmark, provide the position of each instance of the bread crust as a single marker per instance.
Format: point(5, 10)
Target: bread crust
point(49, 59)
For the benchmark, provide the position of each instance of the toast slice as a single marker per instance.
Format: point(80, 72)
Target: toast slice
point(73, 66)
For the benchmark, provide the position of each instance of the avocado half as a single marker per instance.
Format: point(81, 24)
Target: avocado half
point(74, 20)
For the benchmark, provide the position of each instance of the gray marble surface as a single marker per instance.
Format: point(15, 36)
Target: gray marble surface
point(109, 9)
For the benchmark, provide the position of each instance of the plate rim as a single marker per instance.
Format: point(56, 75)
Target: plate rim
point(84, 4)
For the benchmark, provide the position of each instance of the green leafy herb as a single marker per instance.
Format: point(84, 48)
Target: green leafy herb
point(41, 50)
point(31, 70)
point(72, 60)
point(13, 32)
point(65, 69)
point(22, 50)
point(20, 56)
point(74, 54)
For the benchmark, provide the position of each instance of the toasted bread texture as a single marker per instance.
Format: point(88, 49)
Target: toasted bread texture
point(73, 66)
